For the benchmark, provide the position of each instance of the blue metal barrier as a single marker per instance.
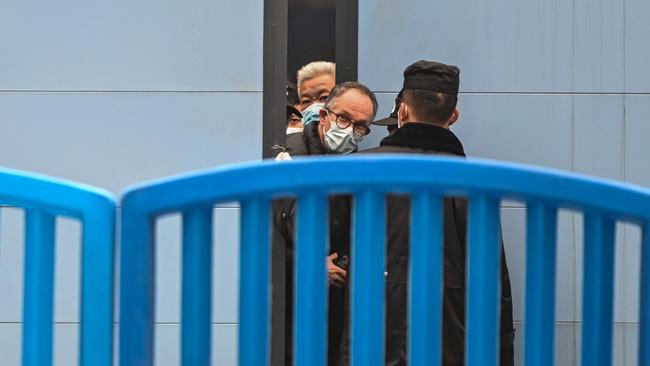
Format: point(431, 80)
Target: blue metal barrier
point(43, 199)
point(369, 179)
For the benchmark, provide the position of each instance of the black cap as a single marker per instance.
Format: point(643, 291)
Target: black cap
point(292, 94)
point(392, 118)
point(433, 76)
point(292, 110)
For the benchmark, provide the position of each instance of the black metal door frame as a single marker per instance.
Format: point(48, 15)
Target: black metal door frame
point(347, 40)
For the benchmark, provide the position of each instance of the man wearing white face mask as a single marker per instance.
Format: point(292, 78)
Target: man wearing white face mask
point(335, 127)
point(346, 117)
point(339, 125)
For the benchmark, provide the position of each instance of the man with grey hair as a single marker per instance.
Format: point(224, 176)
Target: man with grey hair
point(335, 127)
point(315, 82)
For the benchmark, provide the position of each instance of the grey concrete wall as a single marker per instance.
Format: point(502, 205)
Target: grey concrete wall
point(115, 93)
point(556, 83)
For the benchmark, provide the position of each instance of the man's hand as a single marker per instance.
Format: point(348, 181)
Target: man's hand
point(335, 274)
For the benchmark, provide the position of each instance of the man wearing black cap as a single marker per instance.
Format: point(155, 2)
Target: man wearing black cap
point(294, 129)
point(294, 121)
point(426, 110)
point(391, 121)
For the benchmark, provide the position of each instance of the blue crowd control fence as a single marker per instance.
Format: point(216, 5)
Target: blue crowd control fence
point(369, 179)
point(43, 199)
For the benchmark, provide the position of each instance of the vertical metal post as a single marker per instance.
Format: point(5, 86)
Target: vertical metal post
point(39, 288)
point(274, 99)
point(311, 281)
point(274, 125)
point(426, 280)
point(540, 284)
point(97, 287)
point(254, 294)
point(644, 336)
point(347, 40)
point(137, 288)
point(197, 287)
point(598, 290)
point(483, 286)
point(368, 266)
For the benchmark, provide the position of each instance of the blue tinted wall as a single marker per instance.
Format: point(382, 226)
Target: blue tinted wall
point(111, 93)
point(557, 83)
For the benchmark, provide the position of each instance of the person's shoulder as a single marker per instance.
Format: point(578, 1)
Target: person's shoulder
point(387, 149)
point(371, 150)
point(295, 144)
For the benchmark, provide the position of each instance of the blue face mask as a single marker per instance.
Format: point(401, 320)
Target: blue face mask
point(341, 140)
point(311, 114)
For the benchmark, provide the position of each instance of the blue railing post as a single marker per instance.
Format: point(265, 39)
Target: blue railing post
point(426, 280)
point(311, 280)
point(644, 332)
point(368, 267)
point(197, 287)
point(598, 290)
point(483, 294)
point(97, 288)
point(39, 288)
point(540, 283)
point(254, 294)
point(137, 284)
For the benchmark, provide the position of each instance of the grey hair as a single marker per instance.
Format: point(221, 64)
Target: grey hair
point(341, 88)
point(314, 69)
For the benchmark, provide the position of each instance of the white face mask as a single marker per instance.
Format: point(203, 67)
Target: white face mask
point(400, 123)
point(341, 140)
point(291, 130)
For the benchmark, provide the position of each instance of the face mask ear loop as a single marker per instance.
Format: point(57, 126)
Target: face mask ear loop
point(329, 119)
point(400, 122)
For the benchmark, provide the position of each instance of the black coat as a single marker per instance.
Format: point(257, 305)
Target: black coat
point(284, 214)
point(418, 138)
point(294, 144)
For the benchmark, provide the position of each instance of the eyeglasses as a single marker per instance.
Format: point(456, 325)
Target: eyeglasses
point(360, 128)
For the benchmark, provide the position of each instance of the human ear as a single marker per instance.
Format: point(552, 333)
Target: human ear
point(403, 112)
point(454, 117)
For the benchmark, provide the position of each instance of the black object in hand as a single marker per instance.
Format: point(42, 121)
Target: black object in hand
point(342, 262)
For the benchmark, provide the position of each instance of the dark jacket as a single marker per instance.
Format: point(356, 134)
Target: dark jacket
point(284, 214)
point(418, 138)
point(294, 144)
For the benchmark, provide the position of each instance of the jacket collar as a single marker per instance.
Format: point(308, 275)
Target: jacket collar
point(425, 136)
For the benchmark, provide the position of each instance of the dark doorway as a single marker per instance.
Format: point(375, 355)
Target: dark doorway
point(297, 32)
point(311, 33)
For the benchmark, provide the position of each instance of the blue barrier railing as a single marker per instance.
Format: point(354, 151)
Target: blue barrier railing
point(43, 199)
point(369, 179)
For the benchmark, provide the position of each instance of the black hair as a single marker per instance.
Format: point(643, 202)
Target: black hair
point(341, 88)
point(432, 107)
